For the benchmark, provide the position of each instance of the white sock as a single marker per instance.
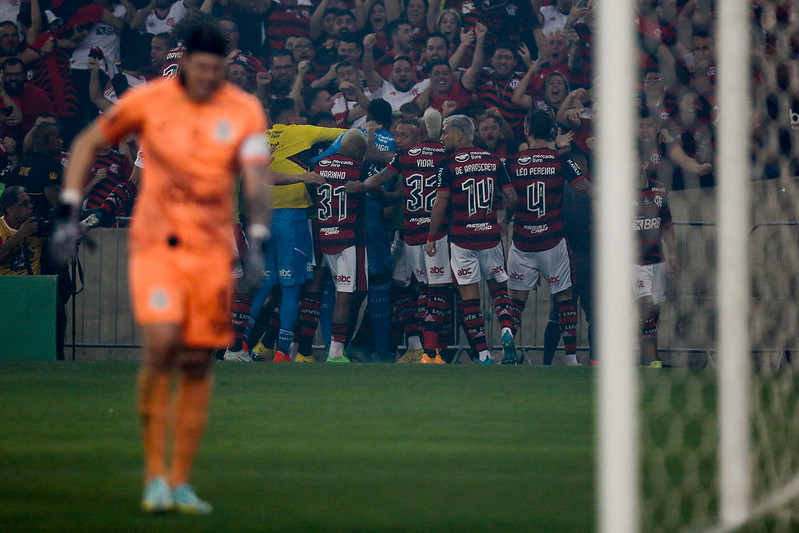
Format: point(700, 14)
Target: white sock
point(508, 330)
point(571, 357)
point(414, 343)
point(485, 354)
point(336, 350)
point(293, 349)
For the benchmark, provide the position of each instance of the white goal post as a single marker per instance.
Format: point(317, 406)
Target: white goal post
point(617, 394)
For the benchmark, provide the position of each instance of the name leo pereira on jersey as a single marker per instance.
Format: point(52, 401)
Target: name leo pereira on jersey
point(535, 171)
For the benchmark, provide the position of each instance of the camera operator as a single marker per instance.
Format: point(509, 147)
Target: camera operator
point(20, 247)
point(40, 173)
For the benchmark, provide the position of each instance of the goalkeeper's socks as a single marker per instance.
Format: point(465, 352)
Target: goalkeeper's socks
point(191, 413)
point(154, 388)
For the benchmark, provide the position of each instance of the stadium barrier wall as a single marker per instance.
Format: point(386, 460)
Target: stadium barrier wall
point(686, 330)
point(28, 318)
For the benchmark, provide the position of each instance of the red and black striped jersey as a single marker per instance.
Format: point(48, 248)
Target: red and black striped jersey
point(498, 93)
point(537, 176)
point(285, 22)
point(339, 214)
point(418, 168)
point(472, 176)
point(52, 75)
point(117, 169)
point(652, 212)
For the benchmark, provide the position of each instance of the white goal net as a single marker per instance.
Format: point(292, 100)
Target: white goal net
point(710, 442)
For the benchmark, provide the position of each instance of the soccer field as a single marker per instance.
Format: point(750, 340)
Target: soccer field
point(309, 448)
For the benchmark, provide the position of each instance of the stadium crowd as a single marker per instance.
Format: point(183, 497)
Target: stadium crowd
point(322, 67)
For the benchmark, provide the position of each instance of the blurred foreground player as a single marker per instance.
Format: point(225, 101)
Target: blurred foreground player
point(196, 130)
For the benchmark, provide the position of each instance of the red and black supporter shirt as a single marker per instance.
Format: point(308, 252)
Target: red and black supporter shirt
point(287, 21)
point(117, 169)
point(653, 211)
point(538, 176)
point(472, 176)
point(492, 92)
point(339, 214)
point(418, 168)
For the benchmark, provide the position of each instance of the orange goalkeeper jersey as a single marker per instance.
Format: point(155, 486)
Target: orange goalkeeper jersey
point(192, 150)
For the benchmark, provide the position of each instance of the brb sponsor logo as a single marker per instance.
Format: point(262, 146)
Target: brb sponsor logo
point(647, 223)
point(464, 272)
point(341, 278)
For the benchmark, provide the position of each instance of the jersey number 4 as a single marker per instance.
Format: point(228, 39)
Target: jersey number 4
point(326, 194)
point(537, 198)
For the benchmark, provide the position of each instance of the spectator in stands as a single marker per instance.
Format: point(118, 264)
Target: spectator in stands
point(495, 135)
point(400, 87)
point(282, 72)
point(236, 73)
point(160, 16)
point(662, 152)
point(160, 46)
point(416, 14)
point(702, 65)
point(10, 45)
point(350, 48)
point(693, 131)
point(449, 24)
point(401, 45)
point(377, 23)
point(40, 171)
point(51, 73)
point(253, 65)
point(661, 103)
point(322, 25)
point(105, 22)
point(20, 239)
point(495, 83)
point(110, 168)
point(286, 19)
point(30, 99)
point(444, 92)
point(344, 22)
point(352, 100)
point(317, 101)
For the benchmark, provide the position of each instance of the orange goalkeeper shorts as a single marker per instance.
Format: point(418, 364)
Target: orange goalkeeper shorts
point(172, 286)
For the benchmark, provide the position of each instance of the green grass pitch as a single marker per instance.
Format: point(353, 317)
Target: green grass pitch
point(383, 448)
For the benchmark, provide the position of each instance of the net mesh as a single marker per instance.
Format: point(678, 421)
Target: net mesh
point(679, 426)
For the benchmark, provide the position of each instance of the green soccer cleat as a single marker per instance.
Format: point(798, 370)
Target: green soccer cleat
point(157, 497)
point(509, 347)
point(187, 502)
point(342, 359)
